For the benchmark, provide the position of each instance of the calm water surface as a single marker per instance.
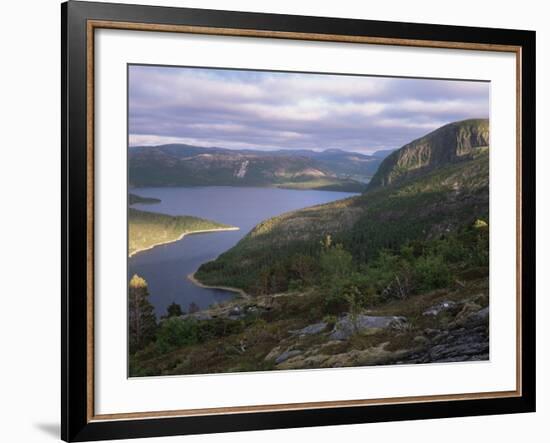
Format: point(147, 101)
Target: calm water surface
point(166, 267)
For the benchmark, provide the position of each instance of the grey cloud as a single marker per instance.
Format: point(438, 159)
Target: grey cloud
point(284, 110)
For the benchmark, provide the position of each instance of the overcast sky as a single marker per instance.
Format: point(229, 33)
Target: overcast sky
point(266, 110)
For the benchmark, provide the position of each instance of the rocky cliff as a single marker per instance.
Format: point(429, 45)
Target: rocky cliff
point(452, 143)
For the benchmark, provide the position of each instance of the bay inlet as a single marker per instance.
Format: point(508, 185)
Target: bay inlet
point(166, 267)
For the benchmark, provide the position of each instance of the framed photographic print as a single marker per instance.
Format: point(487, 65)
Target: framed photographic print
point(277, 221)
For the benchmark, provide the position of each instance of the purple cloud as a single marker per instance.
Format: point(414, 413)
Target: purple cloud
point(268, 110)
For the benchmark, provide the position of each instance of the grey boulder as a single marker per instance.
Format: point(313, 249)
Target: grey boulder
point(347, 325)
point(315, 328)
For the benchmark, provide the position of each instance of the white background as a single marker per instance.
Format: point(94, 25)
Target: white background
point(29, 184)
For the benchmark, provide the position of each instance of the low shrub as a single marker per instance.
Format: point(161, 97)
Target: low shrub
point(175, 332)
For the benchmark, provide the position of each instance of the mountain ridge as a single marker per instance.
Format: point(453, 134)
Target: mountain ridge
point(453, 142)
point(187, 165)
point(451, 195)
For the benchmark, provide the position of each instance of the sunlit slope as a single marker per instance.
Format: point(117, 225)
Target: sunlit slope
point(147, 229)
point(423, 205)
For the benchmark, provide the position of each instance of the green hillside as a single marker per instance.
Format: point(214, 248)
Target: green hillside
point(427, 207)
point(147, 229)
point(403, 203)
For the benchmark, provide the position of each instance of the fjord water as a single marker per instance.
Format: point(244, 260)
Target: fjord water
point(166, 267)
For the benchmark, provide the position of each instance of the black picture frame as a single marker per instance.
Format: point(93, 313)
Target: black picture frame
point(76, 422)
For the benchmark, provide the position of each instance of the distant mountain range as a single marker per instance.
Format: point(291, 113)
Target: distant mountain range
point(187, 165)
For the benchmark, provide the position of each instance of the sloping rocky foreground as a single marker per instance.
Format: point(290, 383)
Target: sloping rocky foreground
point(446, 331)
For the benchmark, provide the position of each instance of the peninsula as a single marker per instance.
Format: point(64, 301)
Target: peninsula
point(149, 229)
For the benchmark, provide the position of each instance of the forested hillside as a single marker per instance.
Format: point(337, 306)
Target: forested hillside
point(438, 202)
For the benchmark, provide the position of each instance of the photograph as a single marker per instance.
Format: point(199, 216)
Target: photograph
point(285, 220)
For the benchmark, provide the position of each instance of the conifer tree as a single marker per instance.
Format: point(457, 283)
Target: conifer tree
point(173, 310)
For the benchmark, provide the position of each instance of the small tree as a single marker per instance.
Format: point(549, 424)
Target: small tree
point(335, 261)
point(193, 307)
point(326, 243)
point(142, 322)
point(353, 297)
point(173, 310)
point(304, 267)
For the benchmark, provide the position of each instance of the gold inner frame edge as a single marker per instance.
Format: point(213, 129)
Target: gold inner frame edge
point(92, 25)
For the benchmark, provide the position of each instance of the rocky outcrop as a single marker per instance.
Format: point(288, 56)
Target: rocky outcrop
point(439, 308)
point(315, 358)
point(311, 329)
point(348, 325)
point(286, 355)
point(467, 339)
point(462, 334)
point(451, 143)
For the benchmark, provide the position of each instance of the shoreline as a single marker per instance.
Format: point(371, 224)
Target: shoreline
point(202, 231)
point(193, 279)
point(271, 186)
